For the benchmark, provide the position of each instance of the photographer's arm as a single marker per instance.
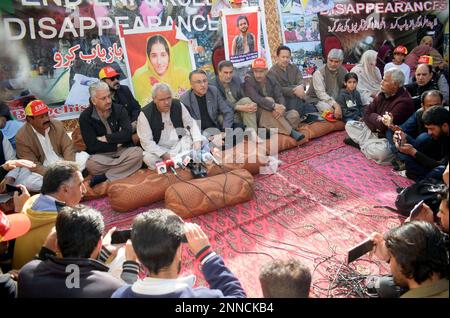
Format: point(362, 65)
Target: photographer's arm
point(214, 270)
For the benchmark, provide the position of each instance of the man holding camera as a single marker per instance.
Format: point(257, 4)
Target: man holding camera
point(156, 236)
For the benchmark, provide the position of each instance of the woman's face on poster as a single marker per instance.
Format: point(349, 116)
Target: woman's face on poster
point(159, 58)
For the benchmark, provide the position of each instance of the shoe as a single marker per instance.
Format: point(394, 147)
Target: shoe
point(349, 141)
point(97, 179)
point(296, 135)
point(310, 118)
point(402, 173)
point(398, 165)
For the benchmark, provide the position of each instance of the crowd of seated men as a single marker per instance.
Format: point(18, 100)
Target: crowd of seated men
point(403, 125)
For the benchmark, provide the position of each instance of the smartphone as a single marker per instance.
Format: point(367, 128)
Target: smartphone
point(10, 189)
point(359, 250)
point(415, 210)
point(119, 237)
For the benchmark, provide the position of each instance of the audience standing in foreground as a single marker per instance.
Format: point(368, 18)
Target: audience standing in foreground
point(157, 236)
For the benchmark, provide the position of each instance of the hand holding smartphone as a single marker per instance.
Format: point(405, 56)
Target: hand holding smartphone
point(10, 189)
point(359, 250)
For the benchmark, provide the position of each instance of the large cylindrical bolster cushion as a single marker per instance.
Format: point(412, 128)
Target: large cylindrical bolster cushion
point(142, 188)
point(319, 129)
point(200, 196)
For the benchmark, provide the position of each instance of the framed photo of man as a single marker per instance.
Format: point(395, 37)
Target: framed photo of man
point(162, 55)
point(241, 35)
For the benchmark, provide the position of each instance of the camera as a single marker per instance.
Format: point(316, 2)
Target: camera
point(119, 237)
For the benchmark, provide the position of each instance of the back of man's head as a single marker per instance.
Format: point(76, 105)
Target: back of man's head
point(58, 174)
point(435, 115)
point(285, 279)
point(156, 236)
point(419, 250)
point(78, 231)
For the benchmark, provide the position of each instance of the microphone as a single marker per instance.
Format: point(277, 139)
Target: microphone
point(178, 162)
point(207, 156)
point(161, 167)
point(170, 164)
point(187, 160)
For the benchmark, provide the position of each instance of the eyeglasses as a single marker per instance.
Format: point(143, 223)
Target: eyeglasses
point(114, 78)
point(200, 81)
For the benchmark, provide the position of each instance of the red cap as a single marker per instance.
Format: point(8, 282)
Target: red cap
point(107, 72)
point(401, 50)
point(13, 225)
point(425, 59)
point(259, 63)
point(35, 108)
point(329, 116)
point(236, 1)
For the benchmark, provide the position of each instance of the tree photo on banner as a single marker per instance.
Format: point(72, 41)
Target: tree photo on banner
point(53, 50)
point(161, 55)
point(241, 35)
point(300, 32)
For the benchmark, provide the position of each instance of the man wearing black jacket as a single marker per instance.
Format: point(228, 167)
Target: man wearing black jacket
point(106, 131)
point(420, 165)
point(79, 272)
point(121, 94)
point(424, 82)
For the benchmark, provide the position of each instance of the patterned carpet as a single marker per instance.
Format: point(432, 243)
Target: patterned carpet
point(321, 201)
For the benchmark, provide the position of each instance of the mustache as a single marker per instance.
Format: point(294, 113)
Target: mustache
point(47, 122)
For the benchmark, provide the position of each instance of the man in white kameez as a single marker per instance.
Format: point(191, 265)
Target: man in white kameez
point(165, 128)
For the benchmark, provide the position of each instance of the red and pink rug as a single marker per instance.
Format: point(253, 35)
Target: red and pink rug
point(323, 200)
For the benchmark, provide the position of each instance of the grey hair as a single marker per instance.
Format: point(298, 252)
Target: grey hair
point(160, 87)
point(337, 54)
point(97, 86)
point(397, 75)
